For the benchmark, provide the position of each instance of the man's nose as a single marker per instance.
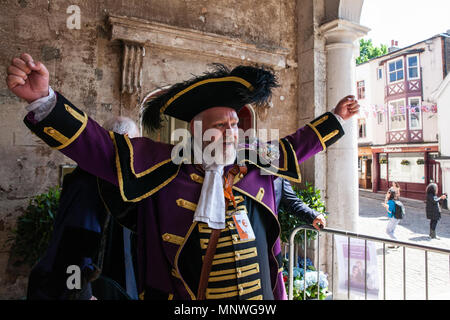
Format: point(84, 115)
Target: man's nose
point(228, 125)
point(230, 134)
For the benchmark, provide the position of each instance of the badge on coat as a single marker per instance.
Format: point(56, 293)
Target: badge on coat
point(243, 226)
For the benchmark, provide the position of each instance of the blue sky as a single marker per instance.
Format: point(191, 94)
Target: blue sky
point(407, 21)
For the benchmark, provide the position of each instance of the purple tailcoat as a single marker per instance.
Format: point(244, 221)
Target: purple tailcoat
point(165, 219)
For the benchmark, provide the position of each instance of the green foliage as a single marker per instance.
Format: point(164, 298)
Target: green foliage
point(368, 51)
point(35, 226)
point(311, 293)
point(312, 198)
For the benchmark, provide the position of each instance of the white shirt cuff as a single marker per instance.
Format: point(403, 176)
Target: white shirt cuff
point(340, 119)
point(43, 106)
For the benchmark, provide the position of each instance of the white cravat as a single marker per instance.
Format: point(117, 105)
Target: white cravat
point(211, 205)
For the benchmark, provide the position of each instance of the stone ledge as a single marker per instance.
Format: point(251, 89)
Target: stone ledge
point(152, 34)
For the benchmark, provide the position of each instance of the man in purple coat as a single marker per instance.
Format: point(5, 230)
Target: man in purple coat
point(207, 226)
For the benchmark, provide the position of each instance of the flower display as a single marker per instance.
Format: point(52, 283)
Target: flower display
point(308, 279)
point(405, 162)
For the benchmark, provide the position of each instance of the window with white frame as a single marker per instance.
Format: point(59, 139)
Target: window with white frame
point(415, 114)
point(397, 115)
point(413, 67)
point(361, 89)
point(379, 73)
point(395, 69)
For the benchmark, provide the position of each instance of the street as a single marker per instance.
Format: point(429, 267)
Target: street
point(413, 228)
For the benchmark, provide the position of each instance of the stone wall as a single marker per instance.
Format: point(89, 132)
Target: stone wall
point(85, 66)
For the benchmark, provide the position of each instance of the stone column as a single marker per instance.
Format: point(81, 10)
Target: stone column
point(340, 161)
point(342, 158)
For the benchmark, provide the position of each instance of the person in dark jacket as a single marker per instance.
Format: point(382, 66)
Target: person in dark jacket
point(286, 197)
point(86, 236)
point(433, 208)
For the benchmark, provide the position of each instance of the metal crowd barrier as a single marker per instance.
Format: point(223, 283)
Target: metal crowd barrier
point(366, 238)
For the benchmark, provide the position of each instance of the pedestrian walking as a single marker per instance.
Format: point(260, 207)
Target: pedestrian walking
point(433, 208)
point(390, 207)
point(396, 188)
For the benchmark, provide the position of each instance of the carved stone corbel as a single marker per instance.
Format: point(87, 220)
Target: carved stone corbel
point(132, 65)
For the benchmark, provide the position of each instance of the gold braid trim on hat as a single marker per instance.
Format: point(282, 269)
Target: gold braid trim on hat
point(224, 79)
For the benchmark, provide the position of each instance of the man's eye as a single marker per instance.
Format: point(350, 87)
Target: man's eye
point(219, 125)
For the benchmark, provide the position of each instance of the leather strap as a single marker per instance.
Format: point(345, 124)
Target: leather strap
point(207, 264)
point(214, 238)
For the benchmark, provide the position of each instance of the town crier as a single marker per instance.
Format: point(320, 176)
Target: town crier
point(207, 224)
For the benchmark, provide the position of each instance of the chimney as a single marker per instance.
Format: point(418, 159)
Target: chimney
point(394, 46)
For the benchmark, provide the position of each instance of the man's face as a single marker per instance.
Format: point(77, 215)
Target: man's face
point(220, 128)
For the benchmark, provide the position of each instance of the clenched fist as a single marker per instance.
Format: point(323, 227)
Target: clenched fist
point(347, 107)
point(26, 79)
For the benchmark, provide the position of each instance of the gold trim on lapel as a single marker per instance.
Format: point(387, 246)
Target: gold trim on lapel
point(141, 174)
point(177, 255)
point(260, 194)
point(120, 176)
point(259, 201)
point(172, 238)
point(195, 177)
point(186, 204)
point(175, 274)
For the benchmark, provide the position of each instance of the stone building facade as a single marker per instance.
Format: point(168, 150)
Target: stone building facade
point(107, 56)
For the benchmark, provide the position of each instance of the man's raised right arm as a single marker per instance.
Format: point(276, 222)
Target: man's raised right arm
point(58, 122)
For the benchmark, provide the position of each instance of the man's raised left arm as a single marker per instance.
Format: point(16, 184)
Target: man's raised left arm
point(323, 131)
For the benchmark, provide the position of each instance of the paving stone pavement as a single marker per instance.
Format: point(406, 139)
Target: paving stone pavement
point(414, 228)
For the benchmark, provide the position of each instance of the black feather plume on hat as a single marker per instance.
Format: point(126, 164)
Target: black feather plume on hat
point(220, 87)
point(262, 80)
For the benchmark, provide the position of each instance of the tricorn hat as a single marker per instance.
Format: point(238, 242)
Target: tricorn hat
point(219, 88)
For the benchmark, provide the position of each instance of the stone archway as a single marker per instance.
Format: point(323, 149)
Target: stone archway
point(247, 118)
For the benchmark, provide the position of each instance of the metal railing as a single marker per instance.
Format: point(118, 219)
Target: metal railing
point(366, 238)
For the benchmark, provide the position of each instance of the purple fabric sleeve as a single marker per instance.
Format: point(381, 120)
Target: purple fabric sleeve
point(305, 142)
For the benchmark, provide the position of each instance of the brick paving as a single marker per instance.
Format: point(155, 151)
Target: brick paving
point(413, 228)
